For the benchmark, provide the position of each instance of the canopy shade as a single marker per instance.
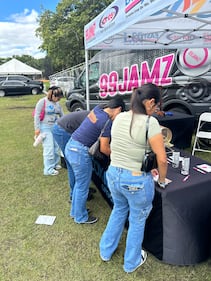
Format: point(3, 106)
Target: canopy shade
point(15, 66)
point(151, 24)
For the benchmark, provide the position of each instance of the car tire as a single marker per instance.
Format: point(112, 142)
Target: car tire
point(76, 107)
point(35, 91)
point(2, 93)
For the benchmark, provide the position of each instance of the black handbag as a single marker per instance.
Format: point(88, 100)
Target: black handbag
point(94, 150)
point(149, 161)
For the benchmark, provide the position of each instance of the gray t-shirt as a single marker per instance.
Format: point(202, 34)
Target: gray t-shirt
point(53, 110)
point(127, 152)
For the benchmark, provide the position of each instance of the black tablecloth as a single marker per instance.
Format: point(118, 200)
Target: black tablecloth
point(182, 127)
point(178, 230)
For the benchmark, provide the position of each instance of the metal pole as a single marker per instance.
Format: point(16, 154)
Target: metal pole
point(87, 79)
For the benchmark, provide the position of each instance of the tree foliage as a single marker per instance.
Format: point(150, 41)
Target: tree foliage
point(62, 32)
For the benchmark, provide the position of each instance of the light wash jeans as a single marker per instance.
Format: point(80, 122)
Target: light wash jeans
point(51, 150)
point(78, 157)
point(62, 137)
point(132, 195)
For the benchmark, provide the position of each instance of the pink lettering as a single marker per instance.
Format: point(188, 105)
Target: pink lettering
point(90, 32)
point(159, 75)
point(103, 83)
point(113, 79)
point(134, 77)
point(153, 76)
point(123, 86)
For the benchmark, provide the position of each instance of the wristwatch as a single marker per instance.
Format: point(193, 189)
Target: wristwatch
point(162, 184)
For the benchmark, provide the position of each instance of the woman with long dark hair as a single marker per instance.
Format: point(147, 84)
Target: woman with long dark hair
point(133, 190)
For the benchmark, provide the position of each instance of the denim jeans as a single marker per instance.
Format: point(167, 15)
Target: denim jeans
point(62, 137)
point(51, 150)
point(81, 162)
point(132, 196)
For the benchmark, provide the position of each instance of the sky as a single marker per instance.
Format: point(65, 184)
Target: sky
point(18, 22)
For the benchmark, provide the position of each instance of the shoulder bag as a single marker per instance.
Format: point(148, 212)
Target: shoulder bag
point(42, 113)
point(94, 150)
point(149, 161)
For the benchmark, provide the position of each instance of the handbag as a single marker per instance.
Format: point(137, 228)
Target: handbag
point(149, 161)
point(42, 113)
point(94, 149)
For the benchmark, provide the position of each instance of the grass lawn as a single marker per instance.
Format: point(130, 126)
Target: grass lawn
point(64, 251)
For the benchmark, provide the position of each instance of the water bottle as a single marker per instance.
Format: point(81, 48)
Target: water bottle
point(39, 139)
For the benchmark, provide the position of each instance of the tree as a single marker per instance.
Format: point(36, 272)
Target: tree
point(62, 32)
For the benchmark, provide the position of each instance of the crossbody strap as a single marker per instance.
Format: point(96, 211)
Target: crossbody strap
point(103, 129)
point(147, 128)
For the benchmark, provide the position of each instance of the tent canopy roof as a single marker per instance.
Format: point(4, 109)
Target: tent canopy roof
point(15, 66)
point(151, 24)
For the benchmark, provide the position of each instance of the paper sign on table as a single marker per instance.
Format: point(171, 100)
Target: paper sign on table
point(204, 167)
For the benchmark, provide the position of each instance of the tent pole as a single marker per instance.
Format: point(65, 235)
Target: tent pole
point(87, 79)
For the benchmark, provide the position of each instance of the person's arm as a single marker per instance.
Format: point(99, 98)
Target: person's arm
point(105, 145)
point(157, 146)
point(38, 109)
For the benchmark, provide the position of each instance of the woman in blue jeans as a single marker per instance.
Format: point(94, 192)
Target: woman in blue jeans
point(131, 189)
point(62, 132)
point(77, 153)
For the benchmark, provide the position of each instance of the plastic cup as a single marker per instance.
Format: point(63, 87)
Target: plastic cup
point(175, 159)
point(185, 166)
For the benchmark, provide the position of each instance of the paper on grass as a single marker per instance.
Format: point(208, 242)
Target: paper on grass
point(42, 219)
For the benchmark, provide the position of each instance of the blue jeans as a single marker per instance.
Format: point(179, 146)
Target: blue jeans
point(132, 197)
point(62, 137)
point(51, 150)
point(81, 162)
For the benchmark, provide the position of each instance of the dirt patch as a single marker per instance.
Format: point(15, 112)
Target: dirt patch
point(20, 107)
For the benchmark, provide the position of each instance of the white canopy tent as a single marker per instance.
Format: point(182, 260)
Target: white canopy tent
point(149, 24)
point(15, 66)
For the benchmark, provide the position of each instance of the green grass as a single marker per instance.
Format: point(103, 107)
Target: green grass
point(64, 251)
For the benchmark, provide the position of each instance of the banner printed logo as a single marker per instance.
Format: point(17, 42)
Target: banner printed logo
point(189, 6)
point(108, 17)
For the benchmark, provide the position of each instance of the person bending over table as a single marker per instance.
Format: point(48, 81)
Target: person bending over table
point(77, 153)
point(131, 189)
point(62, 131)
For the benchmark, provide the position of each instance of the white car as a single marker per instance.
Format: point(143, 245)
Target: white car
point(66, 83)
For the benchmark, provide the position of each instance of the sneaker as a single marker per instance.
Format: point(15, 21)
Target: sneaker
point(58, 167)
point(88, 211)
point(104, 258)
point(144, 257)
point(90, 220)
point(54, 173)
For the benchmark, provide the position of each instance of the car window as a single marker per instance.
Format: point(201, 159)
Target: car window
point(93, 74)
point(19, 78)
point(13, 83)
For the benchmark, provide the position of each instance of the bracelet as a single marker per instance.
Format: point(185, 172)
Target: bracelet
point(162, 184)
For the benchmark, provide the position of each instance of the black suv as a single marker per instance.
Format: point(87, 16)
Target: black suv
point(22, 78)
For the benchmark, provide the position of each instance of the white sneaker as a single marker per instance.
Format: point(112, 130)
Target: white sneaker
point(54, 173)
point(58, 167)
point(144, 257)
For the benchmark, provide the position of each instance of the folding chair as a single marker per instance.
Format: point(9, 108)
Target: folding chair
point(202, 133)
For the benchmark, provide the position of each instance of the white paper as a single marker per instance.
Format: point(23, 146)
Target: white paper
point(167, 181)
point(204, 167)
point(42, 219)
